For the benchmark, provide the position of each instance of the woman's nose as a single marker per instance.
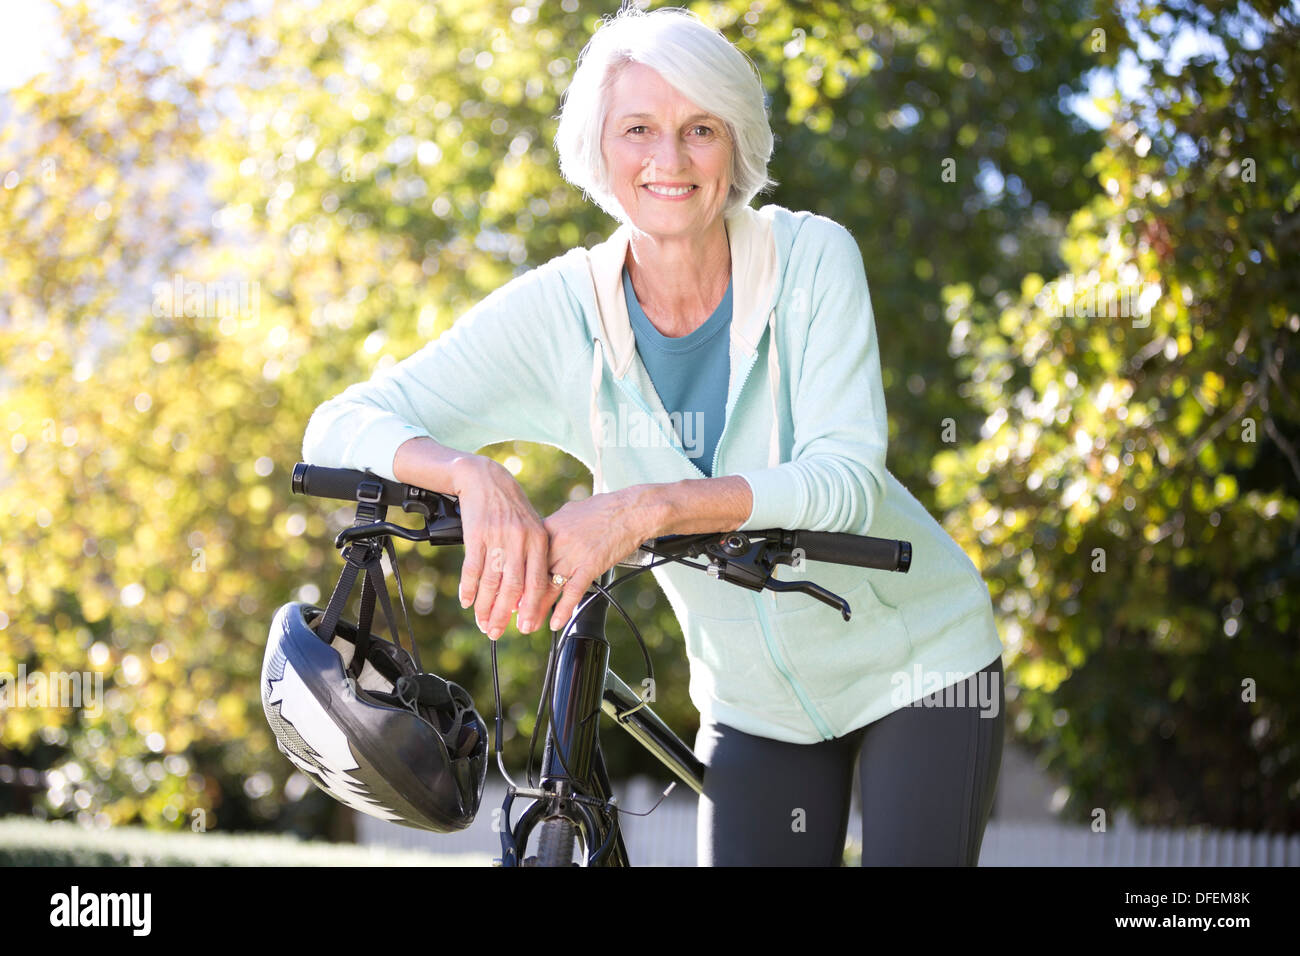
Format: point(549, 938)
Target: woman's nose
point(669, 156)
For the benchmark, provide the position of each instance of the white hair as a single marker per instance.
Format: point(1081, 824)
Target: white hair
point(695, 59)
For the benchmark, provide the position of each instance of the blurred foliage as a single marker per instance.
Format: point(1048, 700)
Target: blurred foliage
point(1133, 492)
point(349, 177)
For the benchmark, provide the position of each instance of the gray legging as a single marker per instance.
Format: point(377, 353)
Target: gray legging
point(927, 776)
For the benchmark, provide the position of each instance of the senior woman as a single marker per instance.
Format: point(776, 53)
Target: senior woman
point(717, 368)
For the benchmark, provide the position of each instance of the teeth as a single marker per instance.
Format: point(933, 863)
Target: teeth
point(667, 191)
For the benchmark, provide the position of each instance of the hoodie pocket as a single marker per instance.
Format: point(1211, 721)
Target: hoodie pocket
point(730, 663)
point(731, 652)
point(829, 655)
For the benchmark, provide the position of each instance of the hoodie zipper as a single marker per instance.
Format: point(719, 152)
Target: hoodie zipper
point(804, 700)
point(773, 655)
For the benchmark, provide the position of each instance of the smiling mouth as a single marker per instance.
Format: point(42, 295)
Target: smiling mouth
point(669, 192)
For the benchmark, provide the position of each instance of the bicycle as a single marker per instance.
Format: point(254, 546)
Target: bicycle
point(573, 807)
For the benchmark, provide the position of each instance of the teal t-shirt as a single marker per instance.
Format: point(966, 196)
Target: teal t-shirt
point(690, 374)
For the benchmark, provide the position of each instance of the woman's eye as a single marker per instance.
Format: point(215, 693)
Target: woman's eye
point(699, 130)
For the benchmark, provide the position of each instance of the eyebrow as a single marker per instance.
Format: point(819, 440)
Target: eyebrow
point(696, 116)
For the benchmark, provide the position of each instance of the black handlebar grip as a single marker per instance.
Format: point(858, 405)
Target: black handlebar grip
point(885, 554)
point(342, 483)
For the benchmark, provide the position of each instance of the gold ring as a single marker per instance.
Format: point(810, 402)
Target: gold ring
point(558, 580)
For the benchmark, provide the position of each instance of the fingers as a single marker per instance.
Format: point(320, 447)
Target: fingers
point(573, 591)
point(494, 565)
point(538, 592)
point(471, 568)
point(525, 584)
point(508, 595)
point(505, 553)
point(501, 579)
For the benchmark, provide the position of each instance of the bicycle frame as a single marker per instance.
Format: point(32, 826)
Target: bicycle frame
point(574, 782)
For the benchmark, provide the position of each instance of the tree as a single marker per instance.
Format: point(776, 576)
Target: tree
point(1136, 479)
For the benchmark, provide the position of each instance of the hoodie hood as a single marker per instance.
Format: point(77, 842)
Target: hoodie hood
point(755, 269)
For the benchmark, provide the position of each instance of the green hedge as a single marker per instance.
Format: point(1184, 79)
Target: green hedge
point(28, 842)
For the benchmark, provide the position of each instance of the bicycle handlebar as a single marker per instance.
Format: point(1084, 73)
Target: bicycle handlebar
point(831, 547)
point(886, 554)
point(343, 483)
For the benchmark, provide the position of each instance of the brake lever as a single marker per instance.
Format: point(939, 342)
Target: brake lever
point(442, 525)
point(377, 529)
point(738, 559)
point(814, 590)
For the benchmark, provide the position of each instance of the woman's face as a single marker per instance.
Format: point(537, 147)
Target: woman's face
point(656, 141)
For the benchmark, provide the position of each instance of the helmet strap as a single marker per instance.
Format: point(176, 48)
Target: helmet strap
point(365, 556)
point(358, 559)
point(375, 583)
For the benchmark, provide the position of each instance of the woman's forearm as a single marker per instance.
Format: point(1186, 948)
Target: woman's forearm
point(426, 464)
point(694, 505)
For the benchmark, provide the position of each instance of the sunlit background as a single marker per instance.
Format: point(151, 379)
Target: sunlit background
point(1079, 227)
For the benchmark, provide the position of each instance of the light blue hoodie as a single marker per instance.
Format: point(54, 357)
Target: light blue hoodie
point(550, 357)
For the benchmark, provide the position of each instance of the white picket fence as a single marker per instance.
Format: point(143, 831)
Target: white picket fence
point(1039, 844)
point(667, 837)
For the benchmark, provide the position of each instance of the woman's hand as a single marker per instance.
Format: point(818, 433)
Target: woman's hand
point(590, 536)
point(506, 548)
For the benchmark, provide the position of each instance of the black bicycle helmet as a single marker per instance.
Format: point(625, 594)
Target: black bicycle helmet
point(381, 737)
